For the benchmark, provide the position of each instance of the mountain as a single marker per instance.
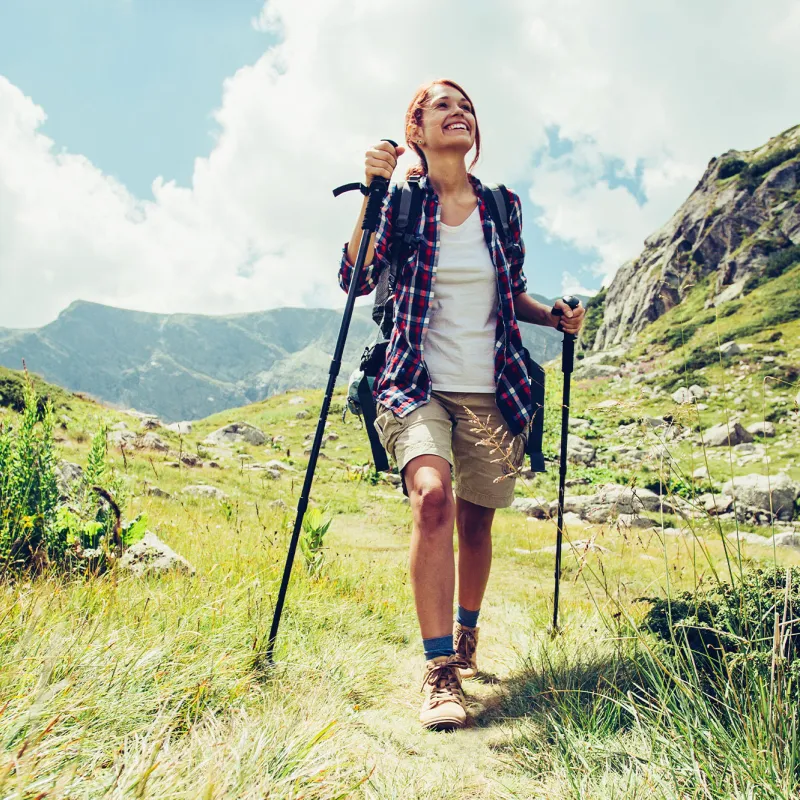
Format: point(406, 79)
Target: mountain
point(188, 366)
point(739, 227)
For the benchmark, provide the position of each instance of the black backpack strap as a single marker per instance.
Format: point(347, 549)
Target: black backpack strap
point(367, 403)
point(408, 200)
point(536, 433)
point(499, 204)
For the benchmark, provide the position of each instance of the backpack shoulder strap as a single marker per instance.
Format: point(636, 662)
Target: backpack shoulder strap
point(499, 204)
point(405, 222)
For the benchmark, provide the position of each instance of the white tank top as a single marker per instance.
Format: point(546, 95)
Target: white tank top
point(459, 344)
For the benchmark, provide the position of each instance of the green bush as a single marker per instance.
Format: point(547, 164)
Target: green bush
point(730, 167)
point(778, 263)
point(751, 175)
point(593, 319)
point(36, 528)
point(727, 631)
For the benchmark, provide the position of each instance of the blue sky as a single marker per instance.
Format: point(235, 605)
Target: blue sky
point(131, 85)
point(190, 153)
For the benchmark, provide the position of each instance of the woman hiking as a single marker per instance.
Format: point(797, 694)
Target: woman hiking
point(455, 343)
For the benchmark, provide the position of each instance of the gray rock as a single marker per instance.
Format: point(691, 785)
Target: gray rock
point(296, 401)
point(762, 429)
point(280, 504)
point(67, 476)
point(236, 432)
point(682, 396)
point(279, 465)
point(756, 490)
point(579, 546)
point(578, 424)
point(697, 391)
point(203, 490)
point(182, 428)
point(730, 349)
point(715, 503)
point(152, 441)
point(151, 555)
point(750, 538)
point(532, 507)
point(302, 415)
point(635, 521)
point(788, 539)
point(333, 436)
point(587, 371)
point(155, 491)
point(121, 437)
point(722, 435)
point(119, 426)
point(579, 451)
point(151, 423)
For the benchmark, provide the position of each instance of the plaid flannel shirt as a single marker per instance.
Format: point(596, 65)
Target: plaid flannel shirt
point(404, 383)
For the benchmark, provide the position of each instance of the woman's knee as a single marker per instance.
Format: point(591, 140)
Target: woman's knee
point(432, 506)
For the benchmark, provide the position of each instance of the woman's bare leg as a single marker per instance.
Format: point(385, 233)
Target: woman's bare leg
point(432, 557)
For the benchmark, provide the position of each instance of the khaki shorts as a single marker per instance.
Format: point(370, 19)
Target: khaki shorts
point(442, 428)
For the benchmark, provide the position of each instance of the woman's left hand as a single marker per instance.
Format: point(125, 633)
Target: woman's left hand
point(572, 318)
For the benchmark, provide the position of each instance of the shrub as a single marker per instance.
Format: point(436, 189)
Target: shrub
point(730, 167)
point(593, 319)
point(752, 174)
point(727, 631)
point(778, 263)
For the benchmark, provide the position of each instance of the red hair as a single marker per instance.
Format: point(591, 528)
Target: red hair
point(414, 117)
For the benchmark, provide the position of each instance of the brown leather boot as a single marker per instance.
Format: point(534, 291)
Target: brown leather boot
point(444, 707)
point(466, 644)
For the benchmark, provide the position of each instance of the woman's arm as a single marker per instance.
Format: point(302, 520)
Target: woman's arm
point(527, 309)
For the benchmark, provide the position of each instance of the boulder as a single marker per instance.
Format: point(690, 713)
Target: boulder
point(121, 437)
point(576, 423)
point(715, 503)
point(586, 371)
point(579, 451)
point(682, 396)
point(151, 555)
point(119, 426)
point(279, 465)
point(155, 491)
point(788, 539)
point(152, 441)
point(697, 391)
point(236, 432)
point(203, 490)
point(723, 435)
point(757, 490)
point(532, 507)
point(762, 429)
point(730, 349)
point(151, 423)
point(302, 415)
point(296, 401)
point(750, 538)
point(182, 428)
point(67, 475)
point(191, 460)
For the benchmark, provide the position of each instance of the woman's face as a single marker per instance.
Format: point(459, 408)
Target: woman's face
point(447, 122)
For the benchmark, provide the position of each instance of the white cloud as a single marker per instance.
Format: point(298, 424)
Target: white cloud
point(259, 228)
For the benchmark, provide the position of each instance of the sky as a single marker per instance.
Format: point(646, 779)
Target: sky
point(179, 155)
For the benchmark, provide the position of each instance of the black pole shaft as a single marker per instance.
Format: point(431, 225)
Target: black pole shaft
point(567, 361)
point(378, 189)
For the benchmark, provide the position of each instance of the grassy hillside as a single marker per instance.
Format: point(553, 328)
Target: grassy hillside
point(156, 687)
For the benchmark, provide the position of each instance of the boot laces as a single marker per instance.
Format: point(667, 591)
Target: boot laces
point(444, 681)
point(466, 644)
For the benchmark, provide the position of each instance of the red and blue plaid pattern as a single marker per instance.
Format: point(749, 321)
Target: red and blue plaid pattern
point(404, 384)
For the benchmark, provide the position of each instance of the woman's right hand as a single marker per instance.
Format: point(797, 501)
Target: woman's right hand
point(380, 161)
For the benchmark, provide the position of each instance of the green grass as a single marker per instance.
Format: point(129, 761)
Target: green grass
point(157, 687)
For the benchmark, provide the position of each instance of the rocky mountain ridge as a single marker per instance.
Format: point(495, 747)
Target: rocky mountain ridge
point(741, 222)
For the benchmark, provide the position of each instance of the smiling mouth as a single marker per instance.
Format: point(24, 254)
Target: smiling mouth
point(457, 126)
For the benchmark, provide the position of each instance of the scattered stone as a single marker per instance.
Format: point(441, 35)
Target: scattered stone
point(579, 546)
point(722, 435)
point(333, 436)
point(214, 465)
point(67, 475)
point(763, 429)
point(756, 491)
point(635, 521)
point(279, 465)
point(750, 538)
point(682, 396)
point(278, 439)
point(152, 441)
point(182, 428)
point(579, 450)
point(730, 349)
point(151, 423)
point(701, 474)
point(532, 507)
point(715, 503)
point(342, 447)
point(204, 490)
point(702, 406)
point(577, 423)
point(607, 404)
point(121, 437)
point(236, 432)
point(302, 415)
point(155, 491)
point(296, 401)
point(587, 371)
point(119, 426)
point(697, 391)
point(788, 539)
point(151, 555)
point(278, 504)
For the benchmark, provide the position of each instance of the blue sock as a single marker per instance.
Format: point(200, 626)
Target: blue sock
point(440, 646)
point(468, 618)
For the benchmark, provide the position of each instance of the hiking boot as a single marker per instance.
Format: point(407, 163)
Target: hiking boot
point(443, 707)
point(466, 643)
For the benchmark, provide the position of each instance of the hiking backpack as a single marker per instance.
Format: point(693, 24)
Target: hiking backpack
point(407, 202)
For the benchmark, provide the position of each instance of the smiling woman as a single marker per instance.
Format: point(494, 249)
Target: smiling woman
point(455, 349)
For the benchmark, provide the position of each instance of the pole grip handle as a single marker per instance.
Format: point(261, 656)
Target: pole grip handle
point(377, 191)
point(573, 303)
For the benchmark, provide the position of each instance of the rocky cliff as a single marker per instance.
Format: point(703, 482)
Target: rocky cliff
point(742, 222)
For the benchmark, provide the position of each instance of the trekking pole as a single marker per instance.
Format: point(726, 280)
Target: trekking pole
point(567, 359)
point(376, 191)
